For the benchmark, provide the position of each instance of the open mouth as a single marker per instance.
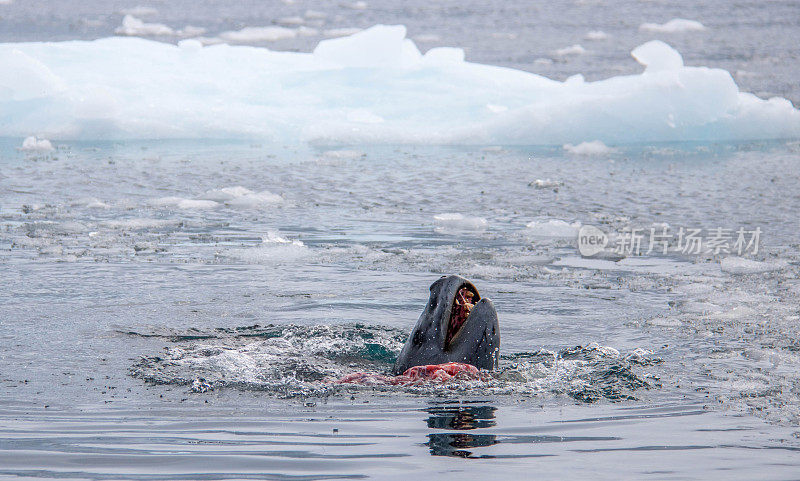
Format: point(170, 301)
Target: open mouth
point(465, 300)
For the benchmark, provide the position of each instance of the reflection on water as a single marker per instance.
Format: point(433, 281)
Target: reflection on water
point(461, 418)
point(455, 444)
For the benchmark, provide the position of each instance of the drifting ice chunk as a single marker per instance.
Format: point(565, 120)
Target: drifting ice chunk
point(226, 193)
point(32, 144)
point(571, 50)
point(459, 222)
point(596, 35)
point(740, 265)
point(139, 11)
point(594, 147)
point(657, 55)
point(131, 88)
point(552, 228)
point(675, 25)
point(133, 26)
point(258, 34)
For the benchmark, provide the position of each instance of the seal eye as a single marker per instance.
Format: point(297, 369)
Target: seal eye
point(419, 338)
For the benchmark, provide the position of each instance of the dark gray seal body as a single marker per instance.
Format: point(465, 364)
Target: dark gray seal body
point(457, 325)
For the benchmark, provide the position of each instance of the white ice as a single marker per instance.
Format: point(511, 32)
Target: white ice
point(676, 25)
point(740, 265)
point(552, 228)
point(372, 87)
point(594, 147)
point(459, 222)
point(32, 144)
point(258, 34)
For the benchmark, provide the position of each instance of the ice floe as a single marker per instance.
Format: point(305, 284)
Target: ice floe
point(740, 265)
point(372, 87)
point(32, 144)
point(676, 25)
point(594, 147)
point(459, 222)
point(258, 34)
point(552, 228)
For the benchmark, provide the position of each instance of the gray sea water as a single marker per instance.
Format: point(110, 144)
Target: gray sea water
point(159, 321)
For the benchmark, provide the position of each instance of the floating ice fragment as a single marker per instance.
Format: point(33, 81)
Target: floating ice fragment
point(552, 228)
point(226, 193)
point(32, 144)
point(131, 88)
point(459, 222)
point(571, 50)
point(595, 147)
point(359, 5)
point(253, 200)
point(740, 265)
point(181, 203)
point(657, 55)
point(258, 34)
point(545, 184)
point(139, 11)
point(427, 38)
point(133, 26)
point(596, 35)
point(676, 25)
point(341, 32)
point(292, 21)
point(314, 15)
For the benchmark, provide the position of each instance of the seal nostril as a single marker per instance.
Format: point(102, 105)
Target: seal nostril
point(419, 338)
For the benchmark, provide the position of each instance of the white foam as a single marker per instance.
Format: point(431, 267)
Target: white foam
point(552, 228)
point(595, 147)
point(32, 144)
point(131, 88)
point(457, 222)
point(676, 25)
point(740, 265)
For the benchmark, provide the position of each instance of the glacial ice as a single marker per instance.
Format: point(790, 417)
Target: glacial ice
point(372, 87)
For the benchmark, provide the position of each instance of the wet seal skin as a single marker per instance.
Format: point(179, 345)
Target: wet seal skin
point(457, 325)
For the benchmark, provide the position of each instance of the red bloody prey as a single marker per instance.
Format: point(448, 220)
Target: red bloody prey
point(436, 373)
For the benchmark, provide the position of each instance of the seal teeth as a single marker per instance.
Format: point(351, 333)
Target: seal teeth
point(463, 303)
